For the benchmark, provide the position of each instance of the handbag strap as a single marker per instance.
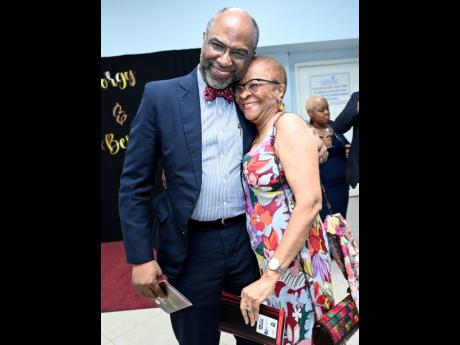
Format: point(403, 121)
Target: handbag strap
point(328, 204)
point(277, 161)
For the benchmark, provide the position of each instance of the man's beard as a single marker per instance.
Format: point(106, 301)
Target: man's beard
point(211, 80)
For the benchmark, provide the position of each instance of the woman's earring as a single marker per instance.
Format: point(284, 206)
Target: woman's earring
point(280, 105)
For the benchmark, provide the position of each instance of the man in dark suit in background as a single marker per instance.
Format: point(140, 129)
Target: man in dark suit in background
point(349, 117)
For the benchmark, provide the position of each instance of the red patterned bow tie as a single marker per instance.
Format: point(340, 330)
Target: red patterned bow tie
point(210, 94)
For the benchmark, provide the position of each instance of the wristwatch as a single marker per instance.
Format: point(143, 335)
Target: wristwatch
point(274, 265)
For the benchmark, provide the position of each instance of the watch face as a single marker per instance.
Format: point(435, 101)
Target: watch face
point(274, 264)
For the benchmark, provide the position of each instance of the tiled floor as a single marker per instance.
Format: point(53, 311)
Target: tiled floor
point(152, 326)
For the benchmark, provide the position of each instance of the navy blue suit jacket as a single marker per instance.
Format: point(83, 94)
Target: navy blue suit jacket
point(349, 117)
point(167, 126)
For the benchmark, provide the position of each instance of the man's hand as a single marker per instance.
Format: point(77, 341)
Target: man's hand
point(145, 279)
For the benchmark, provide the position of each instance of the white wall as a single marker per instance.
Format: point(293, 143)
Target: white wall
point(290, 30)
point(146, 26)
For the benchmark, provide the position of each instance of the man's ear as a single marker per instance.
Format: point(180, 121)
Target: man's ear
point(204, 36)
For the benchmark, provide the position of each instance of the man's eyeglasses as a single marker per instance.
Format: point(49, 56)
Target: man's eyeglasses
point(235, 55)
point(253, 85)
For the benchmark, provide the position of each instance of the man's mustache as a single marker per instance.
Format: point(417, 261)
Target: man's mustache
point(222, 69)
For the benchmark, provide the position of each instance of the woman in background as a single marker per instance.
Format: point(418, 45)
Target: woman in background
point(333, 171)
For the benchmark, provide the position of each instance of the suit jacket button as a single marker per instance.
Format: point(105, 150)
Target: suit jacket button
point(190, 201)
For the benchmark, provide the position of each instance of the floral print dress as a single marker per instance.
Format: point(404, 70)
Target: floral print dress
point(267, 217)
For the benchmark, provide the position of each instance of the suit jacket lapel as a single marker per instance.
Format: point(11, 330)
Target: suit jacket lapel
point(189, 104)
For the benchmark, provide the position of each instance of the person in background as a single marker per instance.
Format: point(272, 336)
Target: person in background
point(349, 117)
point(332, 172)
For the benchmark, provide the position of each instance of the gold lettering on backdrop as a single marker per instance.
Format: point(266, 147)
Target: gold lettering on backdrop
point(107, 76)
point(119, 114)
point(104, 84)
point(121, 80)
point(113, 145)
point(130, 77)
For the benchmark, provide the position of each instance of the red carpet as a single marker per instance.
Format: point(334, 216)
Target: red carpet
point(117, 291)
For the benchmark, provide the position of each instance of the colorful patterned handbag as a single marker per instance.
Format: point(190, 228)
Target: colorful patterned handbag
point(338, 324)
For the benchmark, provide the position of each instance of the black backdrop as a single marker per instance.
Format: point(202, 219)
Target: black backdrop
point(122, 84)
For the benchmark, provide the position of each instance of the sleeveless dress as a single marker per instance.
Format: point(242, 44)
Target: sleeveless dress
point(269, 203)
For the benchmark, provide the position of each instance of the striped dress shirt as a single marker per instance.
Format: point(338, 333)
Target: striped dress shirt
point(221, 194)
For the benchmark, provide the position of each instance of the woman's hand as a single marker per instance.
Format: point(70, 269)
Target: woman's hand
point(323, 153)
point(322, 148)
point(253, 295)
